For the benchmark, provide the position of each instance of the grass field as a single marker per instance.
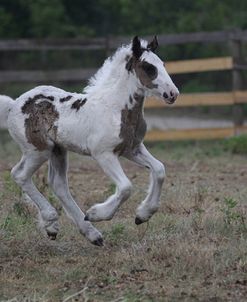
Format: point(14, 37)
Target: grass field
point(193, 249)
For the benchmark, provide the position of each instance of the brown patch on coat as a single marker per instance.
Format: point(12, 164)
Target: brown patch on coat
point(78, 104)
point(65, 99)
point(39, 125)
point(133, 127)
point(35, 98)
point(145, 71)
point(41, 96)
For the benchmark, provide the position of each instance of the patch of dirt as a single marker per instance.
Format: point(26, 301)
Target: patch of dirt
point(193, 249)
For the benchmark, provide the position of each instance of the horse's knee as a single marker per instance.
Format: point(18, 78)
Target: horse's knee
point(159, 171)
point(18, 177)
point(125, 190)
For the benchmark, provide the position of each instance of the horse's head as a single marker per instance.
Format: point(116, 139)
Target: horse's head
point(150, 71)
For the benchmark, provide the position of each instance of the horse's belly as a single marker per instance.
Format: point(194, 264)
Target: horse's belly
point(72, 136)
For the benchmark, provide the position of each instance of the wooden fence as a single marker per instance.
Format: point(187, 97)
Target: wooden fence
point(235, 63)
point(235, 98)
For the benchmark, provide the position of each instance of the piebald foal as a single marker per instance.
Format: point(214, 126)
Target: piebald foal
point(105, 121)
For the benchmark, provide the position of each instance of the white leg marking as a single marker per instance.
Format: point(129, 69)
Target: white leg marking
point(151, 203)
point(59, 183)
point(104, 211)
point(22, 174)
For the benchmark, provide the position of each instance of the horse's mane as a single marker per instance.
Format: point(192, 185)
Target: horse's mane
point(111, 67)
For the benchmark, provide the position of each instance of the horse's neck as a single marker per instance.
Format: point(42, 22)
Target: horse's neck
point(113, 86)
point(123, 92)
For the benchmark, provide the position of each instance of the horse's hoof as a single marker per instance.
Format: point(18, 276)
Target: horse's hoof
point(138, 221)
point(98, 242)
point(52, 236)
point(86, 218)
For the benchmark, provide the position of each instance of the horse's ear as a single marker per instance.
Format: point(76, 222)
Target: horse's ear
point(136, 47)
point(153, 44)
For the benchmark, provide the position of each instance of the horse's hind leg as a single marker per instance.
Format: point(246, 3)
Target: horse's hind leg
point(22, 174)
point(59, 183)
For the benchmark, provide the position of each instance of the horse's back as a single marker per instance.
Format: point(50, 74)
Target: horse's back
point(46, 116)
point(34, 117)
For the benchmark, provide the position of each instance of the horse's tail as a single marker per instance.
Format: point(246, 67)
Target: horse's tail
point(6, 104)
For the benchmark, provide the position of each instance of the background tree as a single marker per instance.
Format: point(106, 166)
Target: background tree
point(66, 18)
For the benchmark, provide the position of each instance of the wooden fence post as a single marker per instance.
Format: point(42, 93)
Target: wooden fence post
point(237, 80)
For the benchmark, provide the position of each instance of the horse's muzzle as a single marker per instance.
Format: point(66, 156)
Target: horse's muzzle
point(171, 98)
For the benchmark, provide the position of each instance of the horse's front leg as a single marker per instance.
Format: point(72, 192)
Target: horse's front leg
point(111, 166)
point(151, 203)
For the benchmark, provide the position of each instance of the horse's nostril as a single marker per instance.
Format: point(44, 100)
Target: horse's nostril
point(171, 93)
point(165, 95)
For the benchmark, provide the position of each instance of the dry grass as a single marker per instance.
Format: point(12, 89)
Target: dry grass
point(194, 249)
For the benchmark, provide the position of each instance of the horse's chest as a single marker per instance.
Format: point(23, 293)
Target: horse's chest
point(132, 130)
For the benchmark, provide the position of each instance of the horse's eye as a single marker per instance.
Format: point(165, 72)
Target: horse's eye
point(149, 69)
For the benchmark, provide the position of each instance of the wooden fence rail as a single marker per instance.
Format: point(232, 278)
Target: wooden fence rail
point(80, 74)
point(203, 99)
point(111, 42)
point(194, 134)
point(199, 65)
point(38, 76)
point(235, 63)
point(235, 98)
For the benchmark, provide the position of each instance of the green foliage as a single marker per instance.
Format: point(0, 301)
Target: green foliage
point(18, 218)
point(111, 189)
point(5, 20)
point(10, 187)
point(232, 215)
point(195, 86)
point(81, 18)
point(183, 150)
point(136, 297)
point(237, 144)
point(47, 18)
point(17, 221)
point(116, 233)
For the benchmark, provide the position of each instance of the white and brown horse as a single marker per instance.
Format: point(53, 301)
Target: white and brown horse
point(105, 121)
